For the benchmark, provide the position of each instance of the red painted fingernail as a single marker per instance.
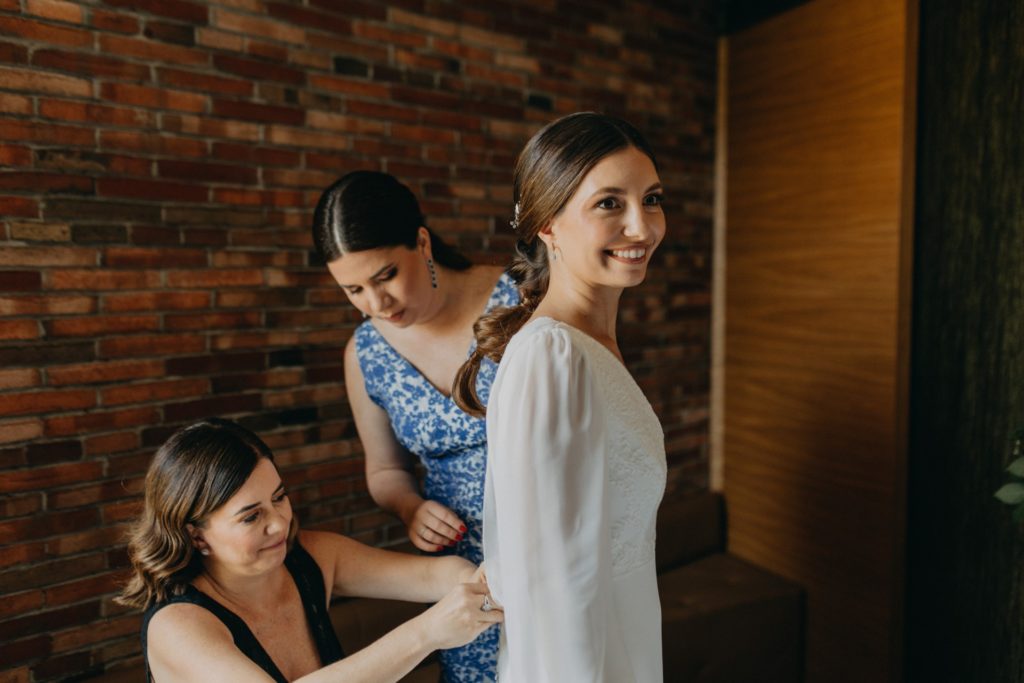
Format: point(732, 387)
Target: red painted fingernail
point(451, 542)
point(462, 528)
point(458, 537)
point(440, 547)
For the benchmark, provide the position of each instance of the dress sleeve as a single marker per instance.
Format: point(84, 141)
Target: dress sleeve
point(546, 458)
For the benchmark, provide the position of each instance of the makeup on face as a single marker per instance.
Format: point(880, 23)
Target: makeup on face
point(608, 231)
point(390, 284)
point(252, 527)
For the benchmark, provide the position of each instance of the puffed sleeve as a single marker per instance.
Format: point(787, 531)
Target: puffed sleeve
point(546, 520)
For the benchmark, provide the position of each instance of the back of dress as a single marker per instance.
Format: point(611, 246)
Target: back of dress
point(576, 470)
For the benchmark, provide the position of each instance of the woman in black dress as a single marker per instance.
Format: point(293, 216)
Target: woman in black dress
point(233, 591)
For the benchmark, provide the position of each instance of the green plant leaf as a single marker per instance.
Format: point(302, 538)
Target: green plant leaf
point(1011, 494)
point(1016, 468)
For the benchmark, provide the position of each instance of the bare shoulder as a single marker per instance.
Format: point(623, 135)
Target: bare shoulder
point(319, 544)
point(327, 548)
point(353, 373)
point(174, 620)
point(181, 625)
point(350, 350)
point(350, 568)
point(212, 653)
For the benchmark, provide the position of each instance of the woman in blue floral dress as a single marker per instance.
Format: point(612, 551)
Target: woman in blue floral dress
point(420, 298)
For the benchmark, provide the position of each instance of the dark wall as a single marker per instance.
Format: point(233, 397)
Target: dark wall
point(736, 15)
point(965, 616)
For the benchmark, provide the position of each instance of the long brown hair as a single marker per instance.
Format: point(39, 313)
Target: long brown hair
point(193, 474)
point(547, 173)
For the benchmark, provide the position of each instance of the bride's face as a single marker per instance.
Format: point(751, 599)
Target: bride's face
point(608, 231)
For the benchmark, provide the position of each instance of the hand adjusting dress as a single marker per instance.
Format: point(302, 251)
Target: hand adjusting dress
point(575, 473)
point(452, 445)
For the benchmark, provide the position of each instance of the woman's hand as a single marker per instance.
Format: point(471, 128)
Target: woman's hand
point(459, 618)
point(433, 527)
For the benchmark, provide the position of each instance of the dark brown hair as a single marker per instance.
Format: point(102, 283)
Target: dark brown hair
point(194, 473)
point(549, 170)
point(370, 210)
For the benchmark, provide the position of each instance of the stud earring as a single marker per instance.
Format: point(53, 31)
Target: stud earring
point(204, 551)
point(433, 273)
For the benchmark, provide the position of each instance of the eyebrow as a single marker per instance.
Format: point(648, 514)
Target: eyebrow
point(375, 275)
point(619, 190)
point(250, 506)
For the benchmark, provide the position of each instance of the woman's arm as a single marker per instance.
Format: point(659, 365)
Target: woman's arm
point(389, 468)
point(547, 541)
point(213, 656)
point(354, 569)
point(454, 621)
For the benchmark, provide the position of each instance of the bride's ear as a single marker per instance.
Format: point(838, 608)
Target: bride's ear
point(547, 235)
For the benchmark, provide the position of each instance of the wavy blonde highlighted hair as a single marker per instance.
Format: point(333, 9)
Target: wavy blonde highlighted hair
point(547, 173)
point(197, 470)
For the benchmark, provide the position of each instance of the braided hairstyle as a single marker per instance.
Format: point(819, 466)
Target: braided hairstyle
point(547, 173)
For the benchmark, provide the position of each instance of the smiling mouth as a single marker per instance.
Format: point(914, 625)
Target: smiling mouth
point(631, 255)
point(276, 545)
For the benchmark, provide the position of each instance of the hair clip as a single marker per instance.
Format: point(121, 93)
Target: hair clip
point(515, 217)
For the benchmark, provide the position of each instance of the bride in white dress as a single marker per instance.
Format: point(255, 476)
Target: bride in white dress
point(576, 459)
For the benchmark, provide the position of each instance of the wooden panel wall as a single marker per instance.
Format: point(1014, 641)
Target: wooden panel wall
point(815, 315)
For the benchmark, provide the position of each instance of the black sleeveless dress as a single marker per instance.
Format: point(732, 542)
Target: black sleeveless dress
point(310, 582)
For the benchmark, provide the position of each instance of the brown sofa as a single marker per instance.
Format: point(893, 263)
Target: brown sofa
point(724, 620)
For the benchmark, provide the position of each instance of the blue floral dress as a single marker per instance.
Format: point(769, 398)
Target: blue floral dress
point(453, 448)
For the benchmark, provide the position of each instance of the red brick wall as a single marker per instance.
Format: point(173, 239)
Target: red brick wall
point(158, 164)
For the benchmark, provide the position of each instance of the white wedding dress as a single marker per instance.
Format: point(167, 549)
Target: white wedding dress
point(575, 472)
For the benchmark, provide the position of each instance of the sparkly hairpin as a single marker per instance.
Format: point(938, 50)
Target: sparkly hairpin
point(515, 217)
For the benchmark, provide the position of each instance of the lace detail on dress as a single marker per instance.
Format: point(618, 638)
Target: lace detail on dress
point(637, 468)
